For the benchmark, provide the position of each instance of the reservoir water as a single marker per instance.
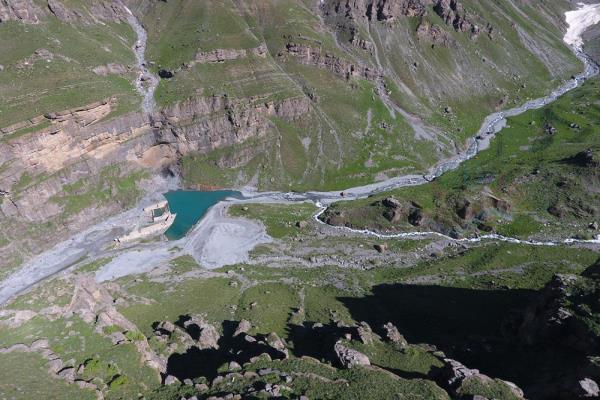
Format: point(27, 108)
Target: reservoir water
point(190, 206)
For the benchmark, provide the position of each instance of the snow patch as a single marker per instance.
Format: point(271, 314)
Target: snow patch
point(579, 20)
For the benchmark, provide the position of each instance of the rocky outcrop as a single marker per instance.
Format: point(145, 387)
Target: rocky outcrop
point(38, 55)
point(454, 14)
point(460, 380)
point(564, 315)
point(244, 326)
point(397, 211)
point(349, 358)
point(207, 335)
point(56, 366)
point(309, 55)
point(93, 303)
point(365, 333)
point(222, 55)
point(393, 335)
point(587, 159)
point(434, 34)
point(19, 10)
point(100, 10)
point(374, 10)
point(110, 69)
point(28, 11)
point(204, 124)
point(559, 315)
point(60, 11)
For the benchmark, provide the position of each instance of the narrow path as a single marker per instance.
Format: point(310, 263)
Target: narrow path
point(147, 82)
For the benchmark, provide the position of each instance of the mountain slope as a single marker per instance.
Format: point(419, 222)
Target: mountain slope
point(272, 94)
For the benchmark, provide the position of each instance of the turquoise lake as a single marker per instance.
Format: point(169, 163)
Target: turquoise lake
point(190, 206)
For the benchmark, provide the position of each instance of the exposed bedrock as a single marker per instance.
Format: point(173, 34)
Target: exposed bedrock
point(75, 145)
point(32, 12)
point(375, 10)
point(316, 57)
point(451, 11)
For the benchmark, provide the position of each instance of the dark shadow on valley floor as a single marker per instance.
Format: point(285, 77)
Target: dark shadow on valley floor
point(472, 326)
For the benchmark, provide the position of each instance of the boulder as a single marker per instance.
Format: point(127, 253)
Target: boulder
point(206, 334)
point(244, 326)
point(68, 374)
point(348, 357)
point(234, 366)
point(455, 372)
point(391, 202)
point(166, 326)
point(588, 388)
point(549, 129)
point(381, 248)
point(275, 342)
point(201, 387)
point(111, 69)
point(393, 335)
point(171, 380)
point(464, 209)
point(165, 74)
point(415, 216)
point(365, 333)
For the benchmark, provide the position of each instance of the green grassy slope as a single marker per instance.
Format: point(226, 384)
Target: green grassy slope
point(529, 181)
point(350, 136)
point(60, 75)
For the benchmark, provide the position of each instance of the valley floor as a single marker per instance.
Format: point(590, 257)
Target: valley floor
point(264, 299)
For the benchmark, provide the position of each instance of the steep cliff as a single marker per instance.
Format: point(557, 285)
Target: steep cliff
point(45, 171)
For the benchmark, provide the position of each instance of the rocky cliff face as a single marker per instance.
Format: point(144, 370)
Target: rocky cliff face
point(309, 55)
point(78, 144)
point(30, 12)
point(19, 10)
point(451, 11)
point(374, 10)
point(565, 317)
point(76, 137)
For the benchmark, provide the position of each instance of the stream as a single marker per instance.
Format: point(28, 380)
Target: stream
point(147, 82)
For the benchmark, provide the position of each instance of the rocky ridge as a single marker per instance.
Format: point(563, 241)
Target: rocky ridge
point(19, 10)
point(28, 11)
point(345, 69)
